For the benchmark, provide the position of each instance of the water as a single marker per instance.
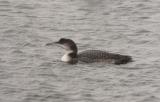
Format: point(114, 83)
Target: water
point(30, 72)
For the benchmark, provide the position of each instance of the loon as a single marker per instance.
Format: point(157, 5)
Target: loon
point(89, 56)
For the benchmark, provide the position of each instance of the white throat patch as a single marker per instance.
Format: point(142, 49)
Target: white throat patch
point(66, 57)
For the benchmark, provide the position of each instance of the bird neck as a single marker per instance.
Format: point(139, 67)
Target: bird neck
point(70, 57)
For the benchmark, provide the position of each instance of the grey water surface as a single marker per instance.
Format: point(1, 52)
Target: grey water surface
point(33, 72)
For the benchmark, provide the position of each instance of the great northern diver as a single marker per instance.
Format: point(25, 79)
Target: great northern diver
point(89, 56)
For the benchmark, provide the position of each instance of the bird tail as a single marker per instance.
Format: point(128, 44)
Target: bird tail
point(123, 60)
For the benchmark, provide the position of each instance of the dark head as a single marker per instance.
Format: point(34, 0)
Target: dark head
point(70, 55)
point(68, 44)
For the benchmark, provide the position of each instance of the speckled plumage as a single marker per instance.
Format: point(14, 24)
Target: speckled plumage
point(91, 56)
